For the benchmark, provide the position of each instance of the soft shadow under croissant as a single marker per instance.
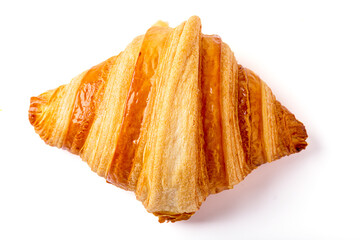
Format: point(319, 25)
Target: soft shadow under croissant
point(173, 118)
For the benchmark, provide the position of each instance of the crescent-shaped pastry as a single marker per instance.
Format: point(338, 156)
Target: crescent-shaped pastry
point(173, 118)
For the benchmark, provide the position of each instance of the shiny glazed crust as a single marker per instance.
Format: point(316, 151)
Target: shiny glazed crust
point(173, 118)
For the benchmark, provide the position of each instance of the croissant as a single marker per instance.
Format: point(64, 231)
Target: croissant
point(173, 118)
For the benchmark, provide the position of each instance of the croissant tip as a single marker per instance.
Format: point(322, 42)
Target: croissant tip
point(300, 138)
point(302, 144)
point(301, 147)
point(34, 109)
point(37, 104)
point(170, 217)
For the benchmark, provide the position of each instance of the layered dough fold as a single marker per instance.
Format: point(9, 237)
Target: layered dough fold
point(173, 118)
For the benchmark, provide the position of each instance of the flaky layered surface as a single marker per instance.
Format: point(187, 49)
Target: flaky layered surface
point(173, 118)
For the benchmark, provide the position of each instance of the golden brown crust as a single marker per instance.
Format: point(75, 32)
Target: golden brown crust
point(173, 118)
point(88, 97)
point(210, 76)
point(122, 162)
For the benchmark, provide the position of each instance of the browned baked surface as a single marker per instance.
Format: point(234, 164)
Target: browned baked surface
point(173, 118)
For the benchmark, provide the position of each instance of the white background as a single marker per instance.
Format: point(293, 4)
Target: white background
point(307, 52)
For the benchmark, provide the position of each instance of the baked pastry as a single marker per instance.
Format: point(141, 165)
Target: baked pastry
point(173, 118)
